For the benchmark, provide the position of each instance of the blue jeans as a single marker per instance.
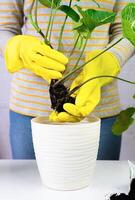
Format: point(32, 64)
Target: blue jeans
point(21, 138)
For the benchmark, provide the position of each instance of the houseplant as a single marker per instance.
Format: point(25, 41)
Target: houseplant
point(66, 152)
point(126, 117)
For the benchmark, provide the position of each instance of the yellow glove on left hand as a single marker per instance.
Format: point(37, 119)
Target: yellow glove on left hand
point(88, 96)
point(25, 51)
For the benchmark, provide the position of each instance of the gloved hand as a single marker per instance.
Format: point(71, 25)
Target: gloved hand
point(63, 117)
point(88, 96)
point(25, 51)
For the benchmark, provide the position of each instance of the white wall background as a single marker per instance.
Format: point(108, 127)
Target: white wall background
point(5, 79)
point(126, 93)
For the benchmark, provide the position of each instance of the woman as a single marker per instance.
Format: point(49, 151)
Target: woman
point(25, 56)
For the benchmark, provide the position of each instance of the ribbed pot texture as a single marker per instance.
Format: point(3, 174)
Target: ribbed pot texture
point(66, 153)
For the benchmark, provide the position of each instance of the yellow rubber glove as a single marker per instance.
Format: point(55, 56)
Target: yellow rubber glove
point(63, 117)
point(88, 96)
point(25, 51)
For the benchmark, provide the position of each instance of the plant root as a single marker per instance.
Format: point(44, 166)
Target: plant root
point(59, 95)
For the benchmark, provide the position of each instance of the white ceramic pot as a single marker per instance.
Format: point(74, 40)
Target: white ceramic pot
point(66, 152)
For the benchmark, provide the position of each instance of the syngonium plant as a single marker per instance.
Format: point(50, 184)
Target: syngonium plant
point(126, 117)
point(85, 21)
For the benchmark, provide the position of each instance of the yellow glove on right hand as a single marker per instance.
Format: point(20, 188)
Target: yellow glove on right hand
point(88, 96)
point(25, 51)
point(63, 117)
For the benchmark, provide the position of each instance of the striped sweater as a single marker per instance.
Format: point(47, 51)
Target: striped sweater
point(29, 93)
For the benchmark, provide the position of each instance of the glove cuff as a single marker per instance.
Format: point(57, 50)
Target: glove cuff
point(106, 55)
point(108, 65)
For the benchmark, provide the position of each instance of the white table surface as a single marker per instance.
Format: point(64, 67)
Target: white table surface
point(20, 180)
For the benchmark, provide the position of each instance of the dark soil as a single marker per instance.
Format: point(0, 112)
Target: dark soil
point(129, 196)
point(59, 96)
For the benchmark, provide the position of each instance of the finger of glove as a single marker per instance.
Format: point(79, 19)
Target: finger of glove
point(72, 109)
point(85, 91)
point(47, 62)
point(62, 117)
point(89, 106)
point(36, 69)
point(40, 71)
point(65, 117)
point(46, 73)
point(51, 53)
point(53, 116)
point(91, 103)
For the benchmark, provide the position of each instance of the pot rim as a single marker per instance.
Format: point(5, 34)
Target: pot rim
point(42, 120)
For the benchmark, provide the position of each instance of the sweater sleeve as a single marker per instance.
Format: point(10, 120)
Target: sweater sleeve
point(11, 20)
point(124, 49)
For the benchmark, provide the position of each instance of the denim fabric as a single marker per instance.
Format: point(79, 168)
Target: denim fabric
point(109, 145)
point(21, 138)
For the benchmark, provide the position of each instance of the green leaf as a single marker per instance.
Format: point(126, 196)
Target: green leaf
point(80, 29)
point(89, 21)
point(134, 96)
point(80, 10)
point(70, 12)
point(128, 22)
point(48, 3)
point(123, 121)
point(94, 18)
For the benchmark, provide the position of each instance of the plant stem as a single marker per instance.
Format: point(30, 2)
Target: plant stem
point(96, 3)
point(72, 52)
point(51, 26)
point(81, 66)
point(36, 26)
point(61, 33)
point(36, 6)
point(81, 52)
point(49, 23)
point(105, 76)
point(35, 23)
point(62, 29)
point(74, 45)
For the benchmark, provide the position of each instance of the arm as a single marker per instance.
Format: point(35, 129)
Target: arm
point(11, 21)
point(123, 50)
